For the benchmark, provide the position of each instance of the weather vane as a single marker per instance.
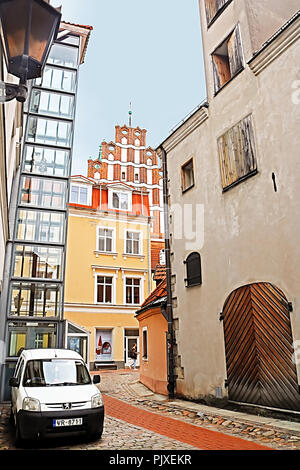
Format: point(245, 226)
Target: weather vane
point(130, 114)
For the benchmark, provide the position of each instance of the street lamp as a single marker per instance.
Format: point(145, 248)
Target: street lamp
point(29, 28)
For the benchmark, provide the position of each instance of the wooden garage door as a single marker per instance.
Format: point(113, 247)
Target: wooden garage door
point(259, 348)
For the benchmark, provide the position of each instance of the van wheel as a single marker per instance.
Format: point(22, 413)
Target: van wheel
point(18, 438)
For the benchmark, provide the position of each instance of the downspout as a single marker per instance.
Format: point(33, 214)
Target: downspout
point(169, 308)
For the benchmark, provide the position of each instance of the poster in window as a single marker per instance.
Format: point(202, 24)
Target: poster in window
point(103, 344)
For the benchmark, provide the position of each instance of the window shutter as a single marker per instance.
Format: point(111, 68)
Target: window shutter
point(237, 152)
point(212, 7)
point(193, 269)
point(235, 53)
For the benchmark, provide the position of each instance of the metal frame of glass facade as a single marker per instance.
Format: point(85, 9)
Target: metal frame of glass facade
point(35, 290)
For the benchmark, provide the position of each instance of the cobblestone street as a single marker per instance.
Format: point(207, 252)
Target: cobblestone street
point(137, 419)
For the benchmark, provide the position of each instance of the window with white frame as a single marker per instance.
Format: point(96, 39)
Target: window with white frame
point(133, 243)
point(120, 201)
point(80, 194)
point(133, 291)
point(105, 239)
point(105, 289)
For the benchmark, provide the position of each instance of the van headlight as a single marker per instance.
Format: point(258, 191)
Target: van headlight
point(31, 404)
point(97, 401)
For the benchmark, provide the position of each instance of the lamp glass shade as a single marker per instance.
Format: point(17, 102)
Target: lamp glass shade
point(28, 30)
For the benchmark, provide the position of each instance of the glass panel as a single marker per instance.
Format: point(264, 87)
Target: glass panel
point(63, 55)
point(46, 161)
point(74, 193)
point(100, 297)
point(54, 104)
point(58, 79)
point(74, 40)
point(136, 247)
point(40, 226)
point(116, 201)
point(124, 201)
point(38, 262)
point(51, 132)
point(83, 196)
point(17, 343)
point(108, 244)
point(35, 299)
point(45, 193)
point(136, 295)
point(30, 336)
point(128, 295)
point(78, 344)
point(45, 372)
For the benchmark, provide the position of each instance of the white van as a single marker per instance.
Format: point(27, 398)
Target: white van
point(53, 395)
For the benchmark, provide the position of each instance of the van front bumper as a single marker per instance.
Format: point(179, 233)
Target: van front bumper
point(33, 425)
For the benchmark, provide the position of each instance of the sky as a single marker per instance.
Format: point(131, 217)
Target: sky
point(147, 52)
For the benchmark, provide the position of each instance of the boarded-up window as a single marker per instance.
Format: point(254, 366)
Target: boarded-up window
point(237, 153)
point(213, 7)
point(227, 59)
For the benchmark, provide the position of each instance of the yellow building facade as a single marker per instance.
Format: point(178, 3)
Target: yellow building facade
point(108, 270)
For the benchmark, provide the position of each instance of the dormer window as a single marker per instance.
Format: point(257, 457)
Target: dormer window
point(80, 194)
point(120, 200)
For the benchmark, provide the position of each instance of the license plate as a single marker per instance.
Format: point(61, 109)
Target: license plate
point(67, 422)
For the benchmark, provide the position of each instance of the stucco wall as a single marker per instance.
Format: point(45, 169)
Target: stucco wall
point(153, 370)
point(251, 232)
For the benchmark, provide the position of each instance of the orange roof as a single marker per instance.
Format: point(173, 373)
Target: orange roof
point(79, 25)
point(157, 296)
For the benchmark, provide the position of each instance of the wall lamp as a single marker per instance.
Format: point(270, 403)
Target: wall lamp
point(28, 29)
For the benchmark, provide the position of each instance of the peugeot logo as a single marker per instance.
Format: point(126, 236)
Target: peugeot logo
point(67, 406)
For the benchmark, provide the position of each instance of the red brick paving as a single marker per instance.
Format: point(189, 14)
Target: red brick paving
point(195, 436)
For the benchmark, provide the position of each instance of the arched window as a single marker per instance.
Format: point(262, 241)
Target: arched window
point(193, 270)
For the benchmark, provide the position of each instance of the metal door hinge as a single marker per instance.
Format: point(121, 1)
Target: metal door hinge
point(221, 316)
point(290, 306)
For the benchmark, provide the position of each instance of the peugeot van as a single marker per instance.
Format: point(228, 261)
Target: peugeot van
point(52, 394)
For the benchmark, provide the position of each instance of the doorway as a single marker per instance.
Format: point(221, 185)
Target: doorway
point(131, 337)
point(259, 347)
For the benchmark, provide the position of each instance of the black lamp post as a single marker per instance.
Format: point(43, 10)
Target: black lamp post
point(29, 28)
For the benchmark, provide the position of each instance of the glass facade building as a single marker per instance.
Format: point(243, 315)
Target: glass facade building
point(35, 285)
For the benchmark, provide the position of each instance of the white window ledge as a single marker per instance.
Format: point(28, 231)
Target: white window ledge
point(107, 253)
point(132, 255)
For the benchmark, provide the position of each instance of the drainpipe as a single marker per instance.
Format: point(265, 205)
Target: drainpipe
point(169, 308)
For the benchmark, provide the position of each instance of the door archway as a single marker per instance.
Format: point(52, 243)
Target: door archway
point(259, 347)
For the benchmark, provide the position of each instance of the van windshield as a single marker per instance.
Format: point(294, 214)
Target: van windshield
point(55, 372)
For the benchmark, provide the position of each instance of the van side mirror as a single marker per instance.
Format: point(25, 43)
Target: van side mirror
point(14, 382)
point(96, 379)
